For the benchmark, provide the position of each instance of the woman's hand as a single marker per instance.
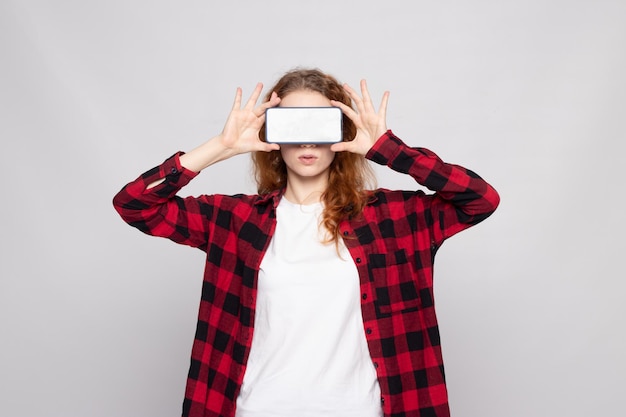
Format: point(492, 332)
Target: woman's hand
point(240, 134)
point(370, 124)
point(241, 131)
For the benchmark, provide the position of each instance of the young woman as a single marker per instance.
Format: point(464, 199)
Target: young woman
point(317, 297)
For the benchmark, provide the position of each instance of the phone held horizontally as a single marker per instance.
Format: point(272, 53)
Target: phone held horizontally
point(297, 125)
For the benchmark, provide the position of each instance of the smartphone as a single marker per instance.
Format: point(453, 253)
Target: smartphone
point(297, 125)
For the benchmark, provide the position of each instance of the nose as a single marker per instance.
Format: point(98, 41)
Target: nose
point(307, 145)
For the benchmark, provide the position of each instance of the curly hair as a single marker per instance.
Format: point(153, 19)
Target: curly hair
point(350, 174)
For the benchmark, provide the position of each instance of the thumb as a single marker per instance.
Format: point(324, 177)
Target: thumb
point(340, 147)
point(268, 147)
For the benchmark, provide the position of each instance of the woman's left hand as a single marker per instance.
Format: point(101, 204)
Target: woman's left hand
point(370, 124)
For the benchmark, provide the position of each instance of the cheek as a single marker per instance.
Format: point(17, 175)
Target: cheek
point(285, 152)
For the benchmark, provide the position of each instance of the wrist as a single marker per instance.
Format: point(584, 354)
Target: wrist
point(210, 152)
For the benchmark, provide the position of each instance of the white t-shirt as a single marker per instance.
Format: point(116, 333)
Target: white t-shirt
point(309, 356)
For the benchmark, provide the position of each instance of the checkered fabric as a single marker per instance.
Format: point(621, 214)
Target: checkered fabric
point(393, 244)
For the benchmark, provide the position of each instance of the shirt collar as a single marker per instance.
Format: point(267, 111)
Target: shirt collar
point(272, 197)
point(275, 196)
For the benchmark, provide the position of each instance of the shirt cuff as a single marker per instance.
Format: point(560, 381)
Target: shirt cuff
point(173, 174)
point(385, 148)
point(177, 168)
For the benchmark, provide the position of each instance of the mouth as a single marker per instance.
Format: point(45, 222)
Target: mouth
point(307, 159)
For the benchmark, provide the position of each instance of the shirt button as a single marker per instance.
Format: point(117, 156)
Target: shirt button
point(368, 331)
point(358, 260)
point(173, 170)
point(346, 233)
point(382, 400)
point(376, 365)
point(364, 296)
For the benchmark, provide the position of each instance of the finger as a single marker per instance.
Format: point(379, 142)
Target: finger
point(259, 112)
point(340, 147)
point(383, 105)
point(237, 102)
point(274, 99)
point(347, 110)
point(350, 146)
point(254, 97)
point(272, 102)
point(354, 95)
point(269, 147)
point(367, 100)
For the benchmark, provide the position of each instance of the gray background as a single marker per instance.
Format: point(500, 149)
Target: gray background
point(97, 319)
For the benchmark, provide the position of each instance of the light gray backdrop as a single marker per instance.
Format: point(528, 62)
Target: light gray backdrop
point(97, 319)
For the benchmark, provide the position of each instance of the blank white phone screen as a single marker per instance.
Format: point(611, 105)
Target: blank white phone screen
point(303, 125)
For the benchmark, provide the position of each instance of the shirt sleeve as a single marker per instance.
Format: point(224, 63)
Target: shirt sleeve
point(462, 198)
point(158, 211)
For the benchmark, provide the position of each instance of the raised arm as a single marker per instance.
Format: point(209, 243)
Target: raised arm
point(150, 203)
point(240, 134)
point(461, 199)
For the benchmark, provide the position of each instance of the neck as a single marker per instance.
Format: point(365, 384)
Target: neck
point(305, 190)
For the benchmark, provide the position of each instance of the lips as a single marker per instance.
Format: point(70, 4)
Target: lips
point(307, 159)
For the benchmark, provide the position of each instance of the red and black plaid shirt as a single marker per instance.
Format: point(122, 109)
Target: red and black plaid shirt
point(393, 245)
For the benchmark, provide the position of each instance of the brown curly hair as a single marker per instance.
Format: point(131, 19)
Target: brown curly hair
point(350, 173)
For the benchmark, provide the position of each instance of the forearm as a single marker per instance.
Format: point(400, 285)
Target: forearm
point(159, 211)
point(207, 154)
point(139, 196)
point(201, 157)
point(459, 186)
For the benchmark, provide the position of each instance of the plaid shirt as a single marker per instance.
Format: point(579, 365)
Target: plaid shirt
point(393, 245)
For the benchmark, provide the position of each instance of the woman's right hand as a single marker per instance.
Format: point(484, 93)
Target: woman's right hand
point(241, 131)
